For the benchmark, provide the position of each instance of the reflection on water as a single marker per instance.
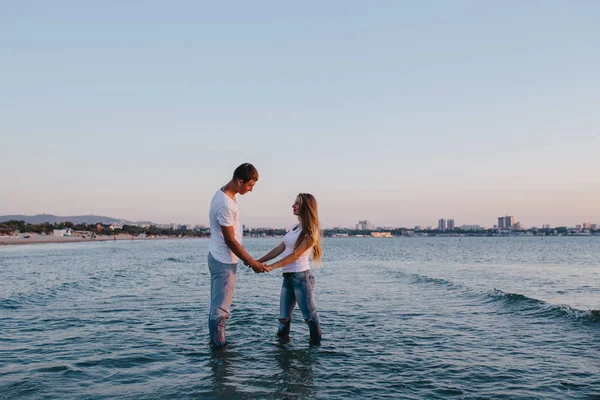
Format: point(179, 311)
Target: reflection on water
point(295, 378)
point(291, 379)
point(222, 366)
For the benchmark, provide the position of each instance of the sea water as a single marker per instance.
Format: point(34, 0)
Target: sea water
point(401, 318)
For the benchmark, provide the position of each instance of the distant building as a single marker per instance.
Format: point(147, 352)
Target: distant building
point(594, 227)
point(63, 232)
point(365, 226)
point(470, 227)
point(517, 226)
point(587, 225)
point(339, 235)
point(381, 234)
point(419, 228)
point(441, 225)
point(450, 224)
point(506, 222)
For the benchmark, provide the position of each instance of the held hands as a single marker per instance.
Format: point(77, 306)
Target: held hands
point(257, 267)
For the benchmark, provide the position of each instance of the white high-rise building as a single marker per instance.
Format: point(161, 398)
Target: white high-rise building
point(441, 225)
point(450, 224)
point(365, 226)
point(506, 222)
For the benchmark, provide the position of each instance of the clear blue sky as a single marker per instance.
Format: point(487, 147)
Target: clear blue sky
point(399, 112)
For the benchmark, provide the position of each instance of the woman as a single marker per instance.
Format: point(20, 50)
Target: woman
point(298, 286)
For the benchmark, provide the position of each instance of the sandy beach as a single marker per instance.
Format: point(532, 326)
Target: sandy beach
point(36, 238)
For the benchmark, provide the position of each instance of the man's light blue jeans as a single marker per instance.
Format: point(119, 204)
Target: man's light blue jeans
point(299, 287)
point(222, 283)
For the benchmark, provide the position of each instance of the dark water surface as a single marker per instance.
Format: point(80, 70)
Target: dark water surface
point(401, 318)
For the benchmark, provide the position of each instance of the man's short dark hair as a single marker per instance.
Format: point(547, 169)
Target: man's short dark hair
point(246, 172)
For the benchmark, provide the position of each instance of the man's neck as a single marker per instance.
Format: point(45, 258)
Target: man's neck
point(230, 190)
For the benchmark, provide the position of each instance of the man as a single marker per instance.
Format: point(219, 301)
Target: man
point(225, 248)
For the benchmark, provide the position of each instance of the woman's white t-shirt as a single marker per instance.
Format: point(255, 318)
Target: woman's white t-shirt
point(289, 240)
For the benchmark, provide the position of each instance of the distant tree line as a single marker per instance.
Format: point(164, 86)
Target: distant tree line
point(265, 232)
point(103, 229)
point(21, 226)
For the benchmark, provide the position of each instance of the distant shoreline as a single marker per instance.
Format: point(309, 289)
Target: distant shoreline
point(36, 238)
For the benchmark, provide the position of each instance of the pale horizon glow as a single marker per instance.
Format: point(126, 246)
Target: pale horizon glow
point(400, 113)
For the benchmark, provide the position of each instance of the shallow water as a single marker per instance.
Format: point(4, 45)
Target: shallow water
point(401, 318)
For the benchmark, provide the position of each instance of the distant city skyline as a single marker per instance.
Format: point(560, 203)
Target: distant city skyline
point(442, 224)
point(401, 113)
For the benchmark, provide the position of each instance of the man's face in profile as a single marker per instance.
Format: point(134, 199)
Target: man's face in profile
point(245, 187)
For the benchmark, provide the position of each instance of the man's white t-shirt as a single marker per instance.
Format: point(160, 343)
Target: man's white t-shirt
point(223, 212)
point(301, 263)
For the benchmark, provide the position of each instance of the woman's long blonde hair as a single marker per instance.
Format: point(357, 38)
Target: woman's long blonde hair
point(309, 220)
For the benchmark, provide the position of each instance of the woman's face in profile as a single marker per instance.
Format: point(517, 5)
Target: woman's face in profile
point(296, 206)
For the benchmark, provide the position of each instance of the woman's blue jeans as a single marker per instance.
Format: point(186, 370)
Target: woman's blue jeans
point(299, 287)
point(222, 283)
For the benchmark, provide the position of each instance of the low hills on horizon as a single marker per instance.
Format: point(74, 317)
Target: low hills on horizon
point(75, 219)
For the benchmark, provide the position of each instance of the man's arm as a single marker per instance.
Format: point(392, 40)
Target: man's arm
point(238, 250)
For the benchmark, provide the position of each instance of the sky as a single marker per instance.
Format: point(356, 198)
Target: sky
point(398, 112)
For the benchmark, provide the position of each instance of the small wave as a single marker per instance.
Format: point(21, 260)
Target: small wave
point(416, 278)
point(543, 308)
point(117, 362)
point(54, 368)
point(174, 259)
point(585, 315)
point(18, 299)
point(517, 301)
point(514, 298)
point(8, 304)
point(428, 279)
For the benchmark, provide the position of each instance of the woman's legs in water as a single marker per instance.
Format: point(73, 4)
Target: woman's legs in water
point(304, 290)
point(287, 303)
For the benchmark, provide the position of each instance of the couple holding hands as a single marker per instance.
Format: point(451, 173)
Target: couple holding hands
point(225, 250)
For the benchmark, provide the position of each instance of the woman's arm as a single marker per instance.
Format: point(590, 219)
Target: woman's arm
point(273, 253)
point(292, 257)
